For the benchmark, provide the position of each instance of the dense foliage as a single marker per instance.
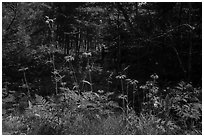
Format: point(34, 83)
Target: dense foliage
point(101, 68)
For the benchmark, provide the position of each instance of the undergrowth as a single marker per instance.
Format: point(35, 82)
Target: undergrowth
point(178, 111)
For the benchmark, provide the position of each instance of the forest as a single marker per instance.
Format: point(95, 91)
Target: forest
point(102, 68)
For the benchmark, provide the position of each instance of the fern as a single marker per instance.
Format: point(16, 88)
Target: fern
point(45, 111)
point(40, 100)
point(186, 104)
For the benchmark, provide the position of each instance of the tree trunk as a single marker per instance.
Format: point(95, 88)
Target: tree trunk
point(119, 46)
point(190, 45)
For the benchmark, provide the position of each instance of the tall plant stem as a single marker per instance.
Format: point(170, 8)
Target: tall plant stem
point(127, 92)
point(75, 79)
point(26, 83)
point(127, 98)
point(123, 92)
point(53, 64)
point(133, 97)
point(90, 77)
point(90, 80)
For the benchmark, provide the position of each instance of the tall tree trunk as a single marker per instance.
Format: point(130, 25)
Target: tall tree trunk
point(119, 46)
point(78, 42)
point(180, 42)
point(190, 45)
point(71, 45)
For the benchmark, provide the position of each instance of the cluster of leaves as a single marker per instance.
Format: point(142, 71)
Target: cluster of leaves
point(186, 102)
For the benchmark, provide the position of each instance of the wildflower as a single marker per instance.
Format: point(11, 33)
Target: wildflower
point(69, 58)
point(121, 76)
point(63, 83)
point(154, 76)
point(121, 96)
point(134, 82)
point(23, 69)
point(100, 91)
point(143, 87)
point(87, 54)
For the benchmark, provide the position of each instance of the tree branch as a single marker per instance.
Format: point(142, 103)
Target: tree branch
point(9, 26)
point(172, 30)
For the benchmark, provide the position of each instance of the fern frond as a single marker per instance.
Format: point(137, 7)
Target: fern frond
point(40, 100)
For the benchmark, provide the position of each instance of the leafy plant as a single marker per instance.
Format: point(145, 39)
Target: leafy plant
point(186, 104)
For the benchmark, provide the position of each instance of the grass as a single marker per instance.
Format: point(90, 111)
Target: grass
point(80, 123)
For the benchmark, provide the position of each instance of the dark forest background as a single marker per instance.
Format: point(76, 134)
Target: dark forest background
point(136, 53)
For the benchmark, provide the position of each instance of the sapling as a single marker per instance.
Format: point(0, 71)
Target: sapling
point(50, 23)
